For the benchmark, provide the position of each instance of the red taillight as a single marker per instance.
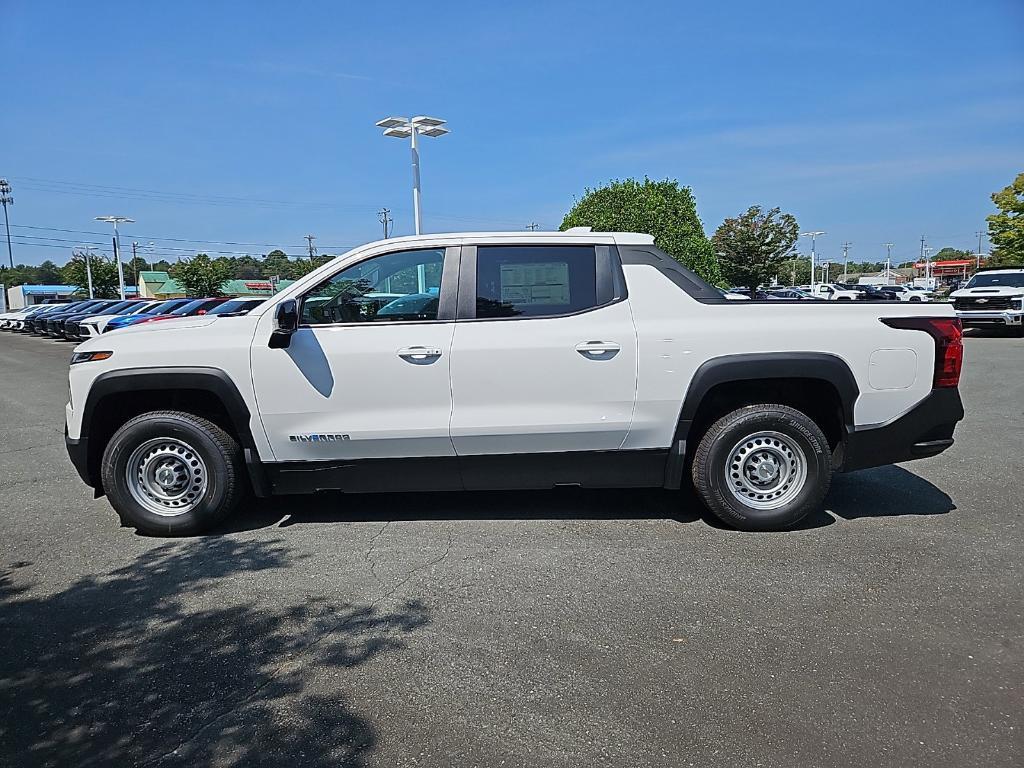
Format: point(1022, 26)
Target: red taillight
point(948, 333)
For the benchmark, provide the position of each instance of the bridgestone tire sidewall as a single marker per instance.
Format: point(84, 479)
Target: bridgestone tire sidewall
point(212, 507)
point(817, 457)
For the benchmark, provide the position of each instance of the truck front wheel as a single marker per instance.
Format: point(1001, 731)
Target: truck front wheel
point(762, 467)
point(171, 473)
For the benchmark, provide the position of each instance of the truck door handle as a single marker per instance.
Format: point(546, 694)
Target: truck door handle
point(419, 354)
point(597, 349)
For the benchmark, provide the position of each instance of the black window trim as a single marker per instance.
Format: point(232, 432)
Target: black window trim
point(447, 295)
point(611, 283)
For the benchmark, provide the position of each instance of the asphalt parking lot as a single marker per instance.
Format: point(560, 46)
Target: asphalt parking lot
point(541, 629)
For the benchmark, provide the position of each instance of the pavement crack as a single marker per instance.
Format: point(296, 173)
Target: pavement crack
point(402, 582)
point(372, 544)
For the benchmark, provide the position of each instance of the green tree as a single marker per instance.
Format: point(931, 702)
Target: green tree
point(202, 276)
point(276, 263)
point(659, 208)
point(104, 276)
point(951, 254)
point(48, 273)
point(795, 271)
point(752, 247)
point(1006, 228)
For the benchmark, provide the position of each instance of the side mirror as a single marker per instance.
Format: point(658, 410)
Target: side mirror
point(286, 322)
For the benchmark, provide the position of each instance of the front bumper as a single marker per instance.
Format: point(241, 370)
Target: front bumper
point(925, 430)
point(1010, 317)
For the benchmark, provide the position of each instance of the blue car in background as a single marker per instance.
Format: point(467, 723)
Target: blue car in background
point(159, 309)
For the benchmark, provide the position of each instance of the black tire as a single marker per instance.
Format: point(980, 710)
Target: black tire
point(218, 454)
point(716, 466)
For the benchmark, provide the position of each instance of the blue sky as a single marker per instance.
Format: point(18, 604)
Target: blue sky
point(252, 122)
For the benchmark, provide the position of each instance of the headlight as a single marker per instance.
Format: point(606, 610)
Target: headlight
point(1020, 303)
point(89, 357)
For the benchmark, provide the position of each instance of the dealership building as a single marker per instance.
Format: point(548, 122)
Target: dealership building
point(19, 296)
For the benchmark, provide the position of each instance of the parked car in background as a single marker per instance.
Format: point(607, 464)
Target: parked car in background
point(831, 292)
point(189, 308)
point(71, 324)
point(39, 324)
point(159, 308)
point(235, 307)
point(94, 325)
point(992, 298)
point(793, 293)
point(906, 292)
point(33, 318)
point(55, 325)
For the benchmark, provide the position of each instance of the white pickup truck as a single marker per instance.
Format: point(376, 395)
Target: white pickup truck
point(508, 361)
point(831, 292)
point(992, 298)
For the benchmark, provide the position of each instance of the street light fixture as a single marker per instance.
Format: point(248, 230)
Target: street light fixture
point(115, 220)
point(812, 235)
point(404, 128)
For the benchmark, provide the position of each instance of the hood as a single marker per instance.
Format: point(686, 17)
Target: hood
point(988, 290)
point(196, 321)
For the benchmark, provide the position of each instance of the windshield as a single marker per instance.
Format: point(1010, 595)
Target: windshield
point(231, 307)
point(997, 280)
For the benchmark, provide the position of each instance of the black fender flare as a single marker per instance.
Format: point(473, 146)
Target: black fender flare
point(208, 379)
point(821, 366)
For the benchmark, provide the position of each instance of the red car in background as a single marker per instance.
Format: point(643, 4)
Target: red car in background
point(196, 307)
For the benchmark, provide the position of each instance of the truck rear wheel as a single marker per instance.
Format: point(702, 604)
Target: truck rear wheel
point(762, 467)
point(171, 473)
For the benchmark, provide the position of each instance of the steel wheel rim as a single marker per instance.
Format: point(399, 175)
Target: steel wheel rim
point(166, 476)
point(766, 470)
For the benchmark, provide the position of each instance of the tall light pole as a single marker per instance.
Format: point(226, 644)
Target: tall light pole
point(88, 267)
point(813, 236)
point(888, 263)
point(846, 250)
point(404, 128)
point(115, 220)
point(980, 253)
point(6, 198)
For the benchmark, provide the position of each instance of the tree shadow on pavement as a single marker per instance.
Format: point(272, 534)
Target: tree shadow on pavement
point(166, 662)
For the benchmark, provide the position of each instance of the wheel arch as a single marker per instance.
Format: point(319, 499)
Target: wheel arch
point(117, 396)
point(818, 382)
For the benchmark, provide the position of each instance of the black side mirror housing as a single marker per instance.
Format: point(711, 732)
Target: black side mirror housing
point(286, 322)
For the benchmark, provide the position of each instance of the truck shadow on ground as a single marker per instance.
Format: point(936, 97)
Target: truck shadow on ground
point(883, 492)
point(163, 662)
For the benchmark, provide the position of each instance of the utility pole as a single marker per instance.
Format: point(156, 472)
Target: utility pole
point(979, 254)
point(312, 248)
point(927, 267)
point(7, 199)
point(888, 263)
point(135, 268)
point(384, 217)
point(115, 220)
point(88, 267)
point(846, 248)
point(533, 226)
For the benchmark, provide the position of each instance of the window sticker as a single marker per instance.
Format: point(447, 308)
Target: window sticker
point(535, 283)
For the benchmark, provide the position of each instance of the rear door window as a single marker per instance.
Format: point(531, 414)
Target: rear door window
point(536, 280)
